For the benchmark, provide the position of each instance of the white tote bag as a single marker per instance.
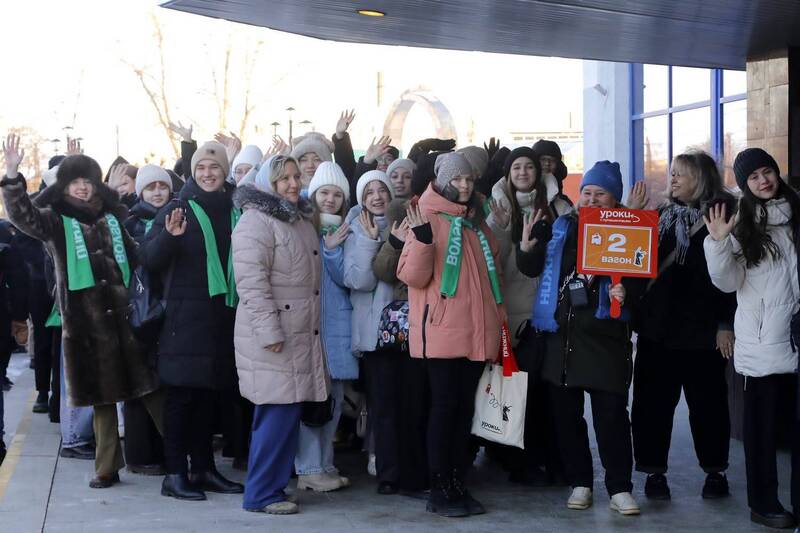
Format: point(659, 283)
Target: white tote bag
point(500, 400)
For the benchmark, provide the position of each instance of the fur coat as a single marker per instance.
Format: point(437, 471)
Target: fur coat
point(103, 361)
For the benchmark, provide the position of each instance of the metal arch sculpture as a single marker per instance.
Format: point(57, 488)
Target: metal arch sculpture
point(442, 119)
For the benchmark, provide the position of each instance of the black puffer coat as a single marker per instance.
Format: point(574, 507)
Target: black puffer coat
point(196, 344)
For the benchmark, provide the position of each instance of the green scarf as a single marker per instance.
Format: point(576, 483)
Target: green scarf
point(217, 282)
point(331, 228)
point(54, 320)
point(79, 266)
point(147, 224)
point(452, 259)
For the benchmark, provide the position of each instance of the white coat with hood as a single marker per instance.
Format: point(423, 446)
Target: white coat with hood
point(767, 296)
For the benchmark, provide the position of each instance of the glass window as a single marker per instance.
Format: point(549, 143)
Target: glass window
point(734, 82)
point(690, 85)
point(734, 137)
point(656, 151)
point(691, 130)
point(656, 87)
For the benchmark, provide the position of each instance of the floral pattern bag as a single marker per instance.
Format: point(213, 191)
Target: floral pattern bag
point(393, 326)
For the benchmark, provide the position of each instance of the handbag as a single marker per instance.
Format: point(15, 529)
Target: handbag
point(147, 304)
point(393, 326)
point(317, 414)
point(530, 350)
point(501, 399)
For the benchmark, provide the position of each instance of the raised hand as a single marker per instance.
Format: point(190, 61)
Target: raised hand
point(117, 173)
point(184, 131)
point(637, 198)
point(74, 147)
point(369, 225)
point(335, 238)
point(376, 150)
point(344, 122)
point(617, 292)
point(231, 143)
point(718, 226)
point(399, 229)
point(415, 216)
point(528, 241)
point(492, 147)
point(500, 213)
point(12, 154)
point(175, 222)
point(278, 147)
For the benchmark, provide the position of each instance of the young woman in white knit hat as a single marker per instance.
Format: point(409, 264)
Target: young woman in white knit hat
point(329, 193)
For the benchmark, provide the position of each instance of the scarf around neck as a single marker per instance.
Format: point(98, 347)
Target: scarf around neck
point(681, 218)
point(328, 223)
point(218, 282)
point(452, 259)
point(79, 266)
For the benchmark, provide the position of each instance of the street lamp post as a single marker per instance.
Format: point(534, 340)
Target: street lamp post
point(290, 109)
point(275, 128)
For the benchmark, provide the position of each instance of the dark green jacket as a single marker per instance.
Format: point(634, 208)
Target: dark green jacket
point(585, 352)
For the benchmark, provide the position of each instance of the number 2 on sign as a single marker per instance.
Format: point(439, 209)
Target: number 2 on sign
point(617, 242)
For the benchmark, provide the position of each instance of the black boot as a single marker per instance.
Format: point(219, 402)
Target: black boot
point(179, 487)
point(716, 486)
point(473, 505)
point(213, 481)
point(778, 519)
point(443, 500)
point(2, 451)
point(41, 405)
point(656, 487)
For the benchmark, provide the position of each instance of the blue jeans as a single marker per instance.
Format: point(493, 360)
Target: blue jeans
point(76, 422)
point(273, 446)
point(315, 449)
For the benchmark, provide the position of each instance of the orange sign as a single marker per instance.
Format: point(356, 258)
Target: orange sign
point(618, 242)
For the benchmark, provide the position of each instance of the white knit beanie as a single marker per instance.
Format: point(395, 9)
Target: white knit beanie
point(329, 173)
point(367, 177)
point(250, 155)
point(150, 174)
point(49, 176)
point(401, 163)
point(313, 142)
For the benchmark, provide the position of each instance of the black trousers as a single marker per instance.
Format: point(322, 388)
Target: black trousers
point(40, 307)
point(55, 387)
point(453, 383)
point(613, 431)
point(188, 427)
point(659, 376)
point(235, 415)
point(397, 399)
point(143, 443)
point(763, 398)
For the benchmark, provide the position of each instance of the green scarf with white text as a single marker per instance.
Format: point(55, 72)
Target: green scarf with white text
point(79, 266)
point(452, 258)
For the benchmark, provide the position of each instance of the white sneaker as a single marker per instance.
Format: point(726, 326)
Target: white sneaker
point(345, 481)
point(623, 503)
point(318, 482)
point(371, 470)
point(580, 499)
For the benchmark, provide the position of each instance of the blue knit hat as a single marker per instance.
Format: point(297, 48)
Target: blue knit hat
point(605, 174)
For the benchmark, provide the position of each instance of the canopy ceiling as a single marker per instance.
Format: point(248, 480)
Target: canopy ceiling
point(700, 33)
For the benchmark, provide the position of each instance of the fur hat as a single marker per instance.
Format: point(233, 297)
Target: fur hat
point(545, 147)
point(366, 178)
point(250, 155)
point(401, 163)
point(313, 142)
point(478, 158)
point(605, 174)
point(329, 173)
point(211, 150)
point(150, 174)
point(748, 161)
point(73, 167)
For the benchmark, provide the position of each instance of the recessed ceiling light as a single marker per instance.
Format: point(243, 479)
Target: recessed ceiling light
point(371, 13)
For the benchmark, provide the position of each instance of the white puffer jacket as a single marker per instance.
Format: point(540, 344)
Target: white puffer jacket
point(518, 289)
point(767, 296)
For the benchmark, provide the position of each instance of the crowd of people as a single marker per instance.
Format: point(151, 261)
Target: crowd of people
point(267, 286)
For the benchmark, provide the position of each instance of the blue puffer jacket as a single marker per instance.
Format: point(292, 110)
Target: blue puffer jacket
point(336, 315)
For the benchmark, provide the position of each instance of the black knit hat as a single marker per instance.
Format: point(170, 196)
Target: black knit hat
point(545, 147)
point(522, 151)
point(750, 160)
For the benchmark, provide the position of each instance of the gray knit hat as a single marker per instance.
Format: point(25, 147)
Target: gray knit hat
point(449, 166)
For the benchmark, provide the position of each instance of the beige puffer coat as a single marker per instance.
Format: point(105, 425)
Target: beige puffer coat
point(277, 266)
